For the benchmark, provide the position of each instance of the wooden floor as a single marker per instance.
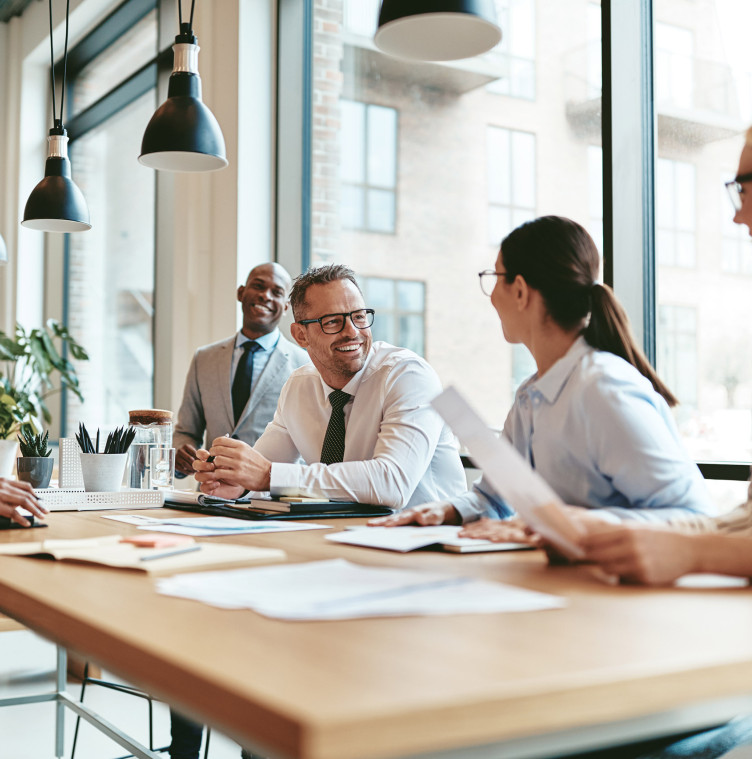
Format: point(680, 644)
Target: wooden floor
point(27, 667)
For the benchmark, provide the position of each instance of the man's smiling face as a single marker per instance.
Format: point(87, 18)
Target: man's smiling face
point(336, 357)
point(264, 299)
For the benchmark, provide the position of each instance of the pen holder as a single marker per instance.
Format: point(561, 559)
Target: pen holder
point(103, 472)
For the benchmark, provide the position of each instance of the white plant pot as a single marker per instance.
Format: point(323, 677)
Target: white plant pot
point(8, 454)
point(103, 472)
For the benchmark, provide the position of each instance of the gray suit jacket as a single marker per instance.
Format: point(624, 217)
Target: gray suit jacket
point(207, 402)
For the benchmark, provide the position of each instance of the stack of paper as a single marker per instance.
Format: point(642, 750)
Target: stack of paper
point(338, 589)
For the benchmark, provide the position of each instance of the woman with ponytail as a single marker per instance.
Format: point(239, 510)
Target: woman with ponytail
point(594, 419)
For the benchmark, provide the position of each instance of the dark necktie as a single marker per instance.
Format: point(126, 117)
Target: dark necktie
point(333, 449)
point(241, 383)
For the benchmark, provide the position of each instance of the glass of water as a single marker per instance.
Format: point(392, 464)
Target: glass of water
point(162, 467)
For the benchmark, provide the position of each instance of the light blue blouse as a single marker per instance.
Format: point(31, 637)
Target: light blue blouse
point(595, 429)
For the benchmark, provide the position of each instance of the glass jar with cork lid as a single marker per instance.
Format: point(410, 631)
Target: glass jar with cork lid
point(153, 432)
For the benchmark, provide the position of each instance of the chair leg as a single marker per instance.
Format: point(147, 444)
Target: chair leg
point(84, 680)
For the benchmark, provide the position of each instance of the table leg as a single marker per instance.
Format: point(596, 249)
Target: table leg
point(60, 687)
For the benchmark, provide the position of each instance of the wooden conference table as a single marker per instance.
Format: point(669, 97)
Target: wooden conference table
point(616, 662)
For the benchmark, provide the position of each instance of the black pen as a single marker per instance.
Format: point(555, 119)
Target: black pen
point(167, 554)
point(210, 460)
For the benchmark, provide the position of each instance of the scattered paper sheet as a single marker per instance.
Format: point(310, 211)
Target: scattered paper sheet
point(338, 589)
point(510, 475)
point(408, 538)
point(212, 526)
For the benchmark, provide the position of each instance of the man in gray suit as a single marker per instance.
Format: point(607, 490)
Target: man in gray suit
point(233, 385)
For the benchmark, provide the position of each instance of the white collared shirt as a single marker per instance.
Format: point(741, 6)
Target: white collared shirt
point(599, 434)
point(398, 451)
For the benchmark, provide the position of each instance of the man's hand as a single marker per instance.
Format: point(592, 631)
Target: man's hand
point(184, 458)
point(14, 494)
point(654, 555)
point(434, 512)
point(232, 462)
point(512, 530)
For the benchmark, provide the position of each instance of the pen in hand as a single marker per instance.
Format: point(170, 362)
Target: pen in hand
point(210, 460)
point(166, 554)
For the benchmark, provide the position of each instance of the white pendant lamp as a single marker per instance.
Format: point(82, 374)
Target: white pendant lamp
point(56, 204)
point(183, 134)
point(437, 30)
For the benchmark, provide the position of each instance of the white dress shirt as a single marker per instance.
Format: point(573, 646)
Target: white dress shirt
point(398, 452)
point(595, 429)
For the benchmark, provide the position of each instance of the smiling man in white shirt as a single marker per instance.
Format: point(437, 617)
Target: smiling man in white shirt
point(359, 417)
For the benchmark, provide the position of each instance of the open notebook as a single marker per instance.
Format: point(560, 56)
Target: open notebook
point(108, 551)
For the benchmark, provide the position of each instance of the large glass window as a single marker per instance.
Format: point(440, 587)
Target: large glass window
point(464, 165)
point(109, 294)
point(704, 309)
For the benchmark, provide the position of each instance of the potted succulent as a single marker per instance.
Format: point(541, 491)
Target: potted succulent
point(28, 363)
point(34, 465)
point(103, 472)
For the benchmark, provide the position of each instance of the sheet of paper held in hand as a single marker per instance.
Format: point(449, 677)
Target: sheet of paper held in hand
point(509, 474)
point(338, 589)
point(211, 526)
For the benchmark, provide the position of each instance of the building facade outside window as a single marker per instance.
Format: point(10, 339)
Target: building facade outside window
point(704, 304)
point(470, 165)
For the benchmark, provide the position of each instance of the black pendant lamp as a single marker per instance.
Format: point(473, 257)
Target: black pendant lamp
point(437, 30)
point(183, 134)
point(56, 204)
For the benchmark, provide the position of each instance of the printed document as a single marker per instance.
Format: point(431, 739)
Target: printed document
point(212, 526)
point(338, 589)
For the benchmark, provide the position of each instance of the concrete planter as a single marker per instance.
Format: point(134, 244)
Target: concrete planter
point(36, 470)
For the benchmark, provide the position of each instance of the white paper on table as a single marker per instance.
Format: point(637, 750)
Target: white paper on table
point(338, 589)
point(510, 475)
point(408, 538)
point(215, 526)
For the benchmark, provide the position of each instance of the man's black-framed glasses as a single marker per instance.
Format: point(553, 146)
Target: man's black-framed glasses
point(488, 279)
point(735, 189)
point(333, 323)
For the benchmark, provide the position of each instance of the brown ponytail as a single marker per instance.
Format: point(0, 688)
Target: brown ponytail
point(558, 258)
point(609, 330)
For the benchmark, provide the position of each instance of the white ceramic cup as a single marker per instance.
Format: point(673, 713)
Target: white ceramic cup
point(103, 472)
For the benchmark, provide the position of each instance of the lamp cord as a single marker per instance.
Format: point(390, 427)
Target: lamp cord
point(180, 13)
point(52, 66)
point(65, 66)
point(65, 60)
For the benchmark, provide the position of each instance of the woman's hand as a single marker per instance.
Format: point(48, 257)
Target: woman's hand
point(14, 494)
point(512, 530)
